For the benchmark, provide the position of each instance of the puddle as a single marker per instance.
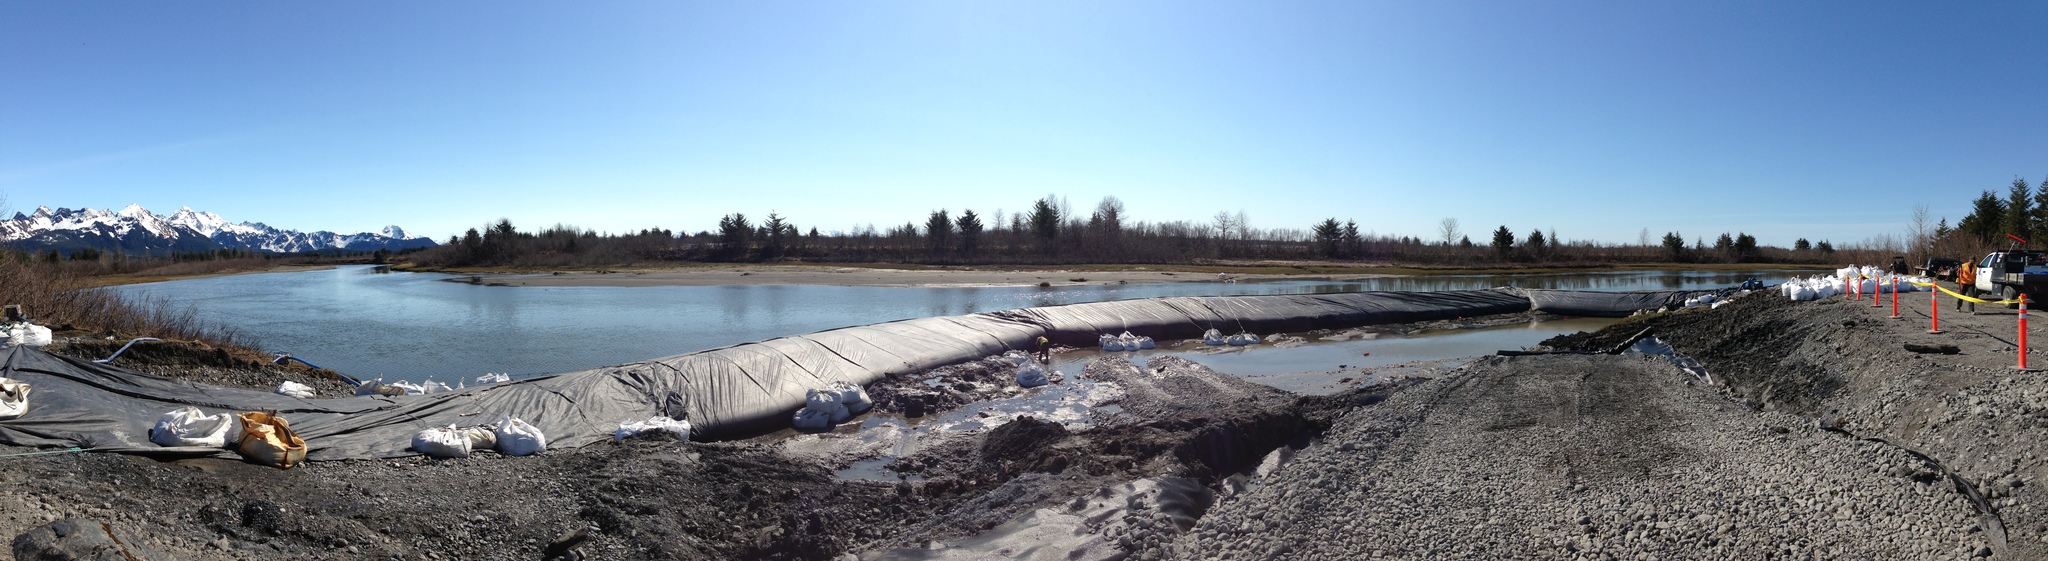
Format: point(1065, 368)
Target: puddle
point(874, 470)
point(1320, 362)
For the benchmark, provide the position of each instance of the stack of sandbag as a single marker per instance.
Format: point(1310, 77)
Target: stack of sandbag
point(13, 398)
point(1815, 288)
point(833, 404)
point(22, 333)
point(1242, 339)
point(295, 389)
point(1214, 338)
point(191, 427)
point(1126, 342)
point(267, 439)
point(493, 378)
point(657, 423)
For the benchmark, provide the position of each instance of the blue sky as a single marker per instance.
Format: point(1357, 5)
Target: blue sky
point(1596, 119)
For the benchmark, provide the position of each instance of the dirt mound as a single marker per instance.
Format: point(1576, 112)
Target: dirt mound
point(1025, 439)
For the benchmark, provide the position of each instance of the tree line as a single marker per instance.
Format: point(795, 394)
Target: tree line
point(1049, 231)
point(2021, 212)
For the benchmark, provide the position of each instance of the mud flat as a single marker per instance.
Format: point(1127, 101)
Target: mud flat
point(853, 276)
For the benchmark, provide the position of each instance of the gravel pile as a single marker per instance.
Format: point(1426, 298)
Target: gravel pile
point(1587, 457)
point(1845, 364)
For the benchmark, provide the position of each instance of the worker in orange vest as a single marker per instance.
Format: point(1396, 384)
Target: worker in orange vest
point(1966, 280)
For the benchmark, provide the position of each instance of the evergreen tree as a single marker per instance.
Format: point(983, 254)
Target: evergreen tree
point(1045, 222)
point(2019, 210)
point(938, 230)
point(776, 231)
point(1802, 245)
point(1328, 234)
point(1534, 245)
point(970, 232)
point(1986, 218)
point(1352, 243)
point(1674, 247)
point(734, 231)
point(1503, 242)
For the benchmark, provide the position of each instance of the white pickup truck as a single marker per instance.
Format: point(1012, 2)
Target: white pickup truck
point(2004, 275)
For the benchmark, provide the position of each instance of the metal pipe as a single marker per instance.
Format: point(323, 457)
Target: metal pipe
point(124, 348)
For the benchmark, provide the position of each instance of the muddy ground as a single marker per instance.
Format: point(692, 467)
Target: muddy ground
point(1812, 433)
point(659, 497)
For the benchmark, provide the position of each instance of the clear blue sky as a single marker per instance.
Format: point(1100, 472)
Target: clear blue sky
point(1781, 119)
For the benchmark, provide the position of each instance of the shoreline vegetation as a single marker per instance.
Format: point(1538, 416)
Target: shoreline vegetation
point(1050, 234)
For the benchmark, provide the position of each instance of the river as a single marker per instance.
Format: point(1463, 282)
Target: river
point(366, 322)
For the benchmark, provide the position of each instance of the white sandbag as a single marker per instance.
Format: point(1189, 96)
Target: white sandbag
point(408, 387)
point(854, 399)
point(23, 333)
point(811, 419)
point(188, 426)
point(431, 387)
point(657, 423)
point(1242, 339)
point(1110, 344)
point(1146, 343)
point(1016, 358)
point(481, 437)
point(13, 398)
point(517, 438)
point(1213, 338)
point(1127, 341)
point(827, 402)
point(493, 378)
point(295, 389)
point(1032, 376)
point(378, 387)
point(442, 442)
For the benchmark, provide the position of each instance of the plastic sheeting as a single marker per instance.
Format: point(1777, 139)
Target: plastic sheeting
point(727, 392)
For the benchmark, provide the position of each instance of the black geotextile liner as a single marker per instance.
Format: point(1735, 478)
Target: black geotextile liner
point(728, 392)
point(1606, 304)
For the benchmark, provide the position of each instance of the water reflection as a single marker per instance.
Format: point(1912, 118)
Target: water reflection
point(412, 325)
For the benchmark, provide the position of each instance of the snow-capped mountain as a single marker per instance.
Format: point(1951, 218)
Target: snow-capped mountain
point(136, 230)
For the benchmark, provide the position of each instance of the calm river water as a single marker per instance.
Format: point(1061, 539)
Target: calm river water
point(413, 325)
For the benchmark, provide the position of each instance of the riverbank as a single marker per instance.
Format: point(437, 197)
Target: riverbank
point(172, 273)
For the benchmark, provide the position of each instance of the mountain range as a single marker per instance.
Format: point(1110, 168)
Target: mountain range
point(135, 230)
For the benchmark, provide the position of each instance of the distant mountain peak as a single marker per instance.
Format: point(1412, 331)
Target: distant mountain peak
point(136, 229)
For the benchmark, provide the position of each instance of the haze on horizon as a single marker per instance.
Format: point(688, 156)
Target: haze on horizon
point(1821, 120)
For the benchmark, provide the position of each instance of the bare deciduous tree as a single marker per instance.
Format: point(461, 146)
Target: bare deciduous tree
point(1921, 232)
point(1448, 228)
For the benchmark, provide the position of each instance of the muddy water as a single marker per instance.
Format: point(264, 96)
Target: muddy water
point(414, 326)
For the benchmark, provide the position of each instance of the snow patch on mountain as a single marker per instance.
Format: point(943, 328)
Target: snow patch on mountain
point(136, 228)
